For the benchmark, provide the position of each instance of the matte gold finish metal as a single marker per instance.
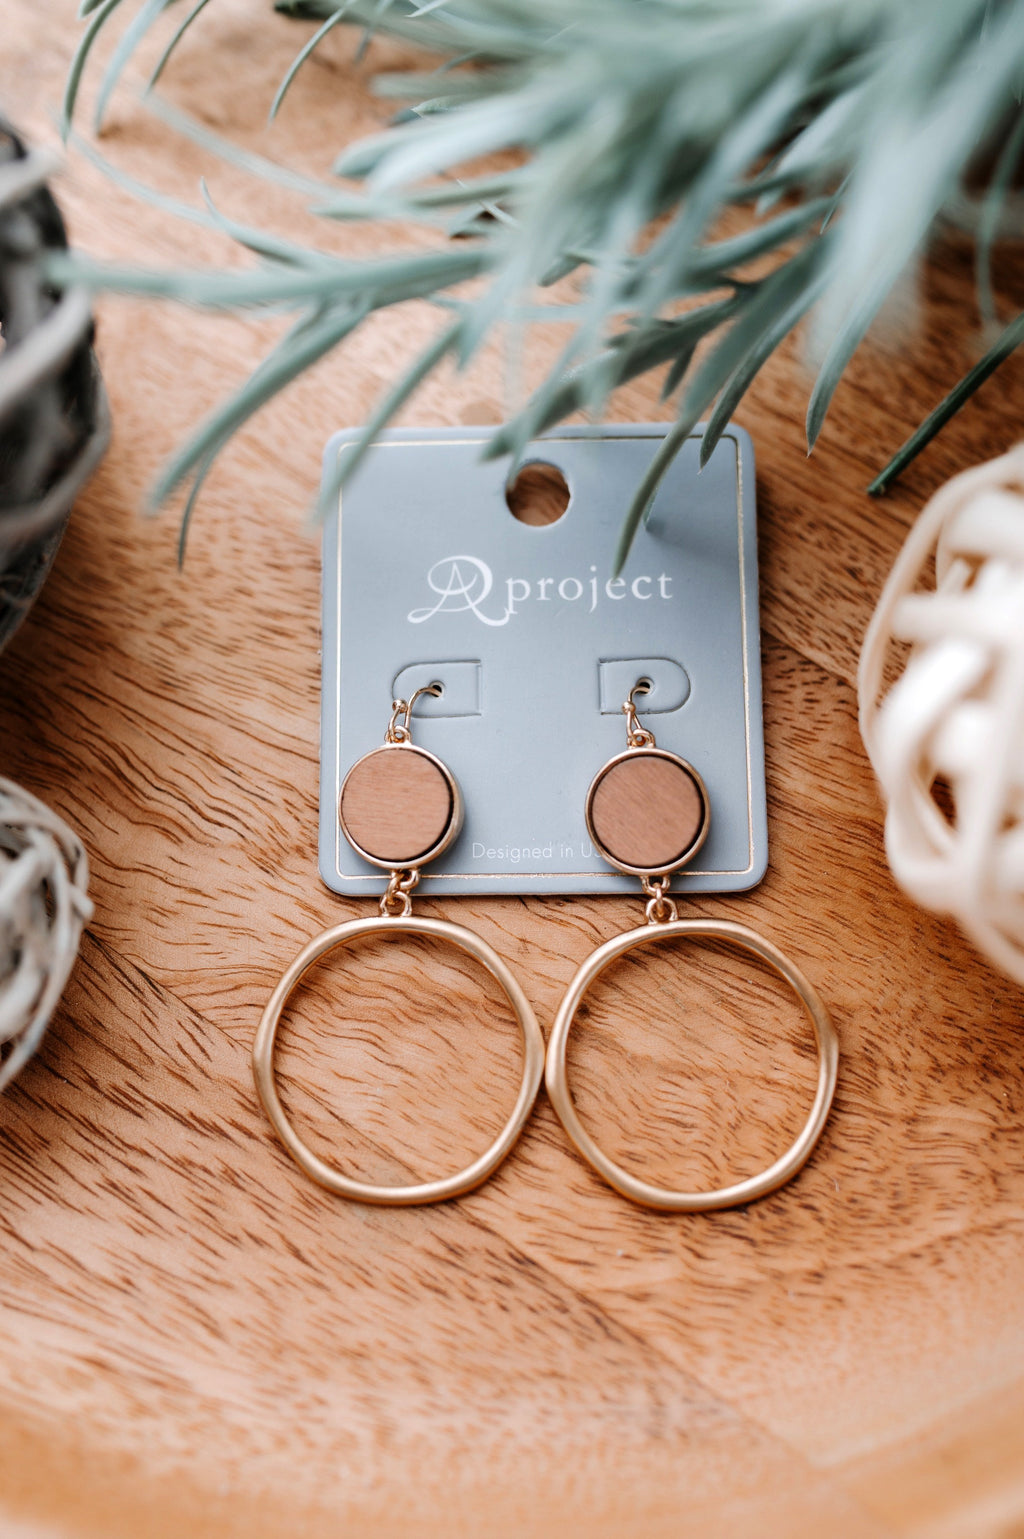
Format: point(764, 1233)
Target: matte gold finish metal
point(423, 1191)
point(661, 909)
point(636, 735)
point(396, 900)
point(401, 731)
point(556, 1078)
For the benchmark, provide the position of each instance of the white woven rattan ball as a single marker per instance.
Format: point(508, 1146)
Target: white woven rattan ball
point(954, 718)
point(43, 906)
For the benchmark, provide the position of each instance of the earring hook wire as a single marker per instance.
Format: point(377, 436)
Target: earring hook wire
point(636, 735)
point(401, 732)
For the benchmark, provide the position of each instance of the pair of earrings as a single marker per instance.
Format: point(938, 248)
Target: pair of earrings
point(647, 813)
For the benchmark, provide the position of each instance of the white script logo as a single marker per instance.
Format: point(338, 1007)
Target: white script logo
point(466, 582)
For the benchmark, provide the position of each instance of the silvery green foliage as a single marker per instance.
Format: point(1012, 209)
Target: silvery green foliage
point(846, 127)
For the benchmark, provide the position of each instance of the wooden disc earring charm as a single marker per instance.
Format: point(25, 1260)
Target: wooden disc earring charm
point(647, 810)
point(400, 806)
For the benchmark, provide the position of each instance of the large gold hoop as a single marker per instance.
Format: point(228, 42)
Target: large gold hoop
point(631, 1186)
point(424, 1191)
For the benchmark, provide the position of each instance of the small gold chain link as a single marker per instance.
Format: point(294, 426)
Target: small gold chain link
point(661, 909)
point(396, 902)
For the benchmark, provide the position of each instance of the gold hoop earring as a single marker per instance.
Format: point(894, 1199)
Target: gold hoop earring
point(400, 806)
point(648, 813)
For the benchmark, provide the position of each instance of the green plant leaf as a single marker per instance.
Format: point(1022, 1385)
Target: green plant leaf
point(176, 38)
point(759, 310)
point(721, 258)
point(757, 355)
point(302, 55)
point(914, 160)
point(786, 290)
point(392, 279)
point(393, 401)
point(1002, 176)
point(76, 68)
point(205, 466)
point(632, 130)
point(254, 165)
point(133, 34)
point(1011, 339)
point(748, 138)
point(633, 353)
point(669, 447)
point(820, 149)
point(300, 351)
point(271, 247)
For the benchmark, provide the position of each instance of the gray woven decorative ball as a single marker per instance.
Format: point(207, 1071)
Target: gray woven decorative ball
point(44, 874)
point(53, 430)
point(54, 422)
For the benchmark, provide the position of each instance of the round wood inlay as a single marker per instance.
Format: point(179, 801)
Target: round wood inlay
point(396, 805)
point(646, 811)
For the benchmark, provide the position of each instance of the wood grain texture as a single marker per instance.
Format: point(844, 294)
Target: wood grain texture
point(646, 810)
point(396, 805)
point(194, 1338)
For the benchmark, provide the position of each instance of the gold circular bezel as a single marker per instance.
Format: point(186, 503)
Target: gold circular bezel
point(455, 820)
point(702, 832)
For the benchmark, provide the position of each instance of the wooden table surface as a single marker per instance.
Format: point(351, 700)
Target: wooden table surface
point(194, 1338)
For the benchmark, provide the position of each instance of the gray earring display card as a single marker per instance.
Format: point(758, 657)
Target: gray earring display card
point(428, 577)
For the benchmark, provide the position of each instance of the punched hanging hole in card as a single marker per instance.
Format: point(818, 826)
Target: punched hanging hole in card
point(539, 494)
